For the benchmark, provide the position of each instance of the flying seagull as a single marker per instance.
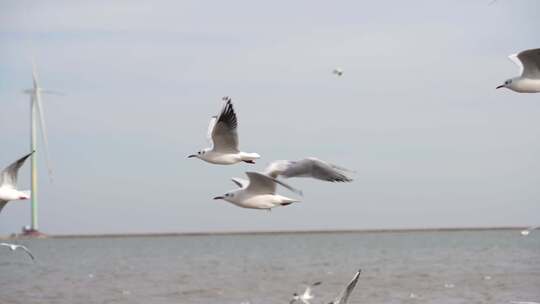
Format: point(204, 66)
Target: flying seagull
point(222, 133)
point(14, 247)
point(337, 71)
point(529, 64)
point(308, 167)
point(344, 295)
point(306, 296)
point(8, 183)
point(259, 192)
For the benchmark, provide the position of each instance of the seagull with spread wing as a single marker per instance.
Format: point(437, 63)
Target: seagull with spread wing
point(344, 295)
point(259, 192)
point(8, 183)
point(528, 62)
point(308, 167)
point(222, 133)
point(14, 247)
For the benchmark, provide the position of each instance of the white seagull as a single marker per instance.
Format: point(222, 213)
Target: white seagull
point(14, 247)
point(344, 295)
point(308, 167)
point(222, 133)
point(337, 71)
point(529, 64)
point(306, 296)
point(8, 183)
point(258, 192)
point(528, 231)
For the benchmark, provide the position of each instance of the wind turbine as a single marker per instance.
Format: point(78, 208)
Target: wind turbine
point(36, 118)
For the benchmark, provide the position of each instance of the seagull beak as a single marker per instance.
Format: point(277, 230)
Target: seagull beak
point(218, 197)
point(192, 155)
point(501, 86)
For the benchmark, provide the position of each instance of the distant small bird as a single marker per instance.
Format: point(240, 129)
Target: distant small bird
point(306, 296)
point(14, 247)
point(528, 231)
point(222, 133)
point(344, 295)
point(258, 192)
point(8, 183)
point(487, 278)
point(337, 71)
point(529, 80)
point(449, 285)
point(308, 167)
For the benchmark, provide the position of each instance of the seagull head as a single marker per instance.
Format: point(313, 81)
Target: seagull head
point(506, 84)
point(198, 155)
point(227, 196)
point(24, 196)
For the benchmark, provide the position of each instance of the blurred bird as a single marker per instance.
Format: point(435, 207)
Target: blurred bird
point(344, 295)
point(308, 167)
point(14, 247)
point(337, 71)
point(306, 296)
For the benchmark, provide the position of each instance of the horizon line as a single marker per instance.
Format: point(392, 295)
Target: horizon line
point(267, 232)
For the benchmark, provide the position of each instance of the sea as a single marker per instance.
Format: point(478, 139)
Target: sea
point(446, 267)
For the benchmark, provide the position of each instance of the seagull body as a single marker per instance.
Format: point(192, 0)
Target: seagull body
point(258, 192)
point(308, 167)
point(223, 135)
point(8, 183)
point(337, 71)
point(14, 247)
point(306, 296)
point(529, 81)
point(344, 295)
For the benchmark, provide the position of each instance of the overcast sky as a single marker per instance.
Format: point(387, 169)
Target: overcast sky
point(416, 113)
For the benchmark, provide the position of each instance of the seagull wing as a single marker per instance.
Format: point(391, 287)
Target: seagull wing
point(530, 63)
point(9, 174)
point(224, 134)
point(344, 296)
point(26, 250)
point(263, 184)
point(240, 182)
point(2, 204)
point(5, 245)
point(276, 168)
point(315, 168)
point(211, 126)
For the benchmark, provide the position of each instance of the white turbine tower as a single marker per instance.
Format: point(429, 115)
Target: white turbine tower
point(36, 117)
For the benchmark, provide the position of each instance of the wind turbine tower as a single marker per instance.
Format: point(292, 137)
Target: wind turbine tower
point(37, 120)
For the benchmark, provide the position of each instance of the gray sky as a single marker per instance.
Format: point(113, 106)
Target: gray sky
point(416, 113)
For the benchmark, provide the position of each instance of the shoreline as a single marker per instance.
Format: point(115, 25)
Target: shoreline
point(264, 232)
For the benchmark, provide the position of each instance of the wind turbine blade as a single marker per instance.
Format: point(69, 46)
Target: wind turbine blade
point(34, 74)
point(43, 129)
point(52, 92)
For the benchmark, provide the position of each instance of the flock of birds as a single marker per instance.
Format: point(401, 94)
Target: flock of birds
point(259, 190)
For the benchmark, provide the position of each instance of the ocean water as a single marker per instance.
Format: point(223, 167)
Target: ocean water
point(496, 266)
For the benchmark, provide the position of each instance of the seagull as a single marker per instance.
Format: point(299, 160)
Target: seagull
point(223, 136)
point(258, 192)
point(8, 183)
point(344, 295)
point(14, 247)
point(337, 71)
point(528, 62)
point(528, 231)
point(308, 167)
point(306, 296)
